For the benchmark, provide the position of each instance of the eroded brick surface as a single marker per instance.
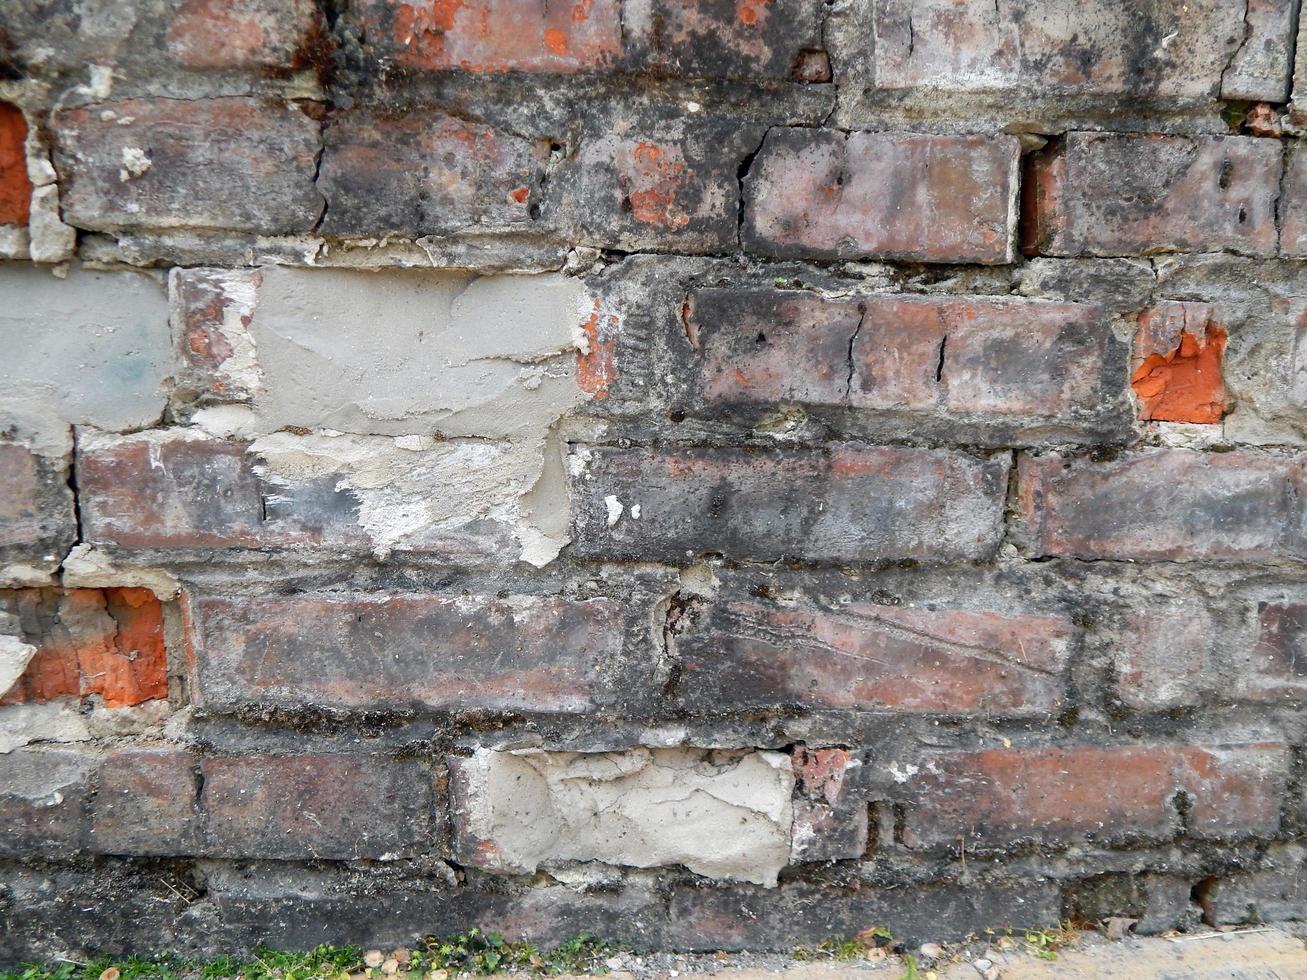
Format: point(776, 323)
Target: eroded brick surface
point(1005, 795)
point(1125, 194)
point(847, 505)
point(824, 194)
point(15, 186)
point(377, 651)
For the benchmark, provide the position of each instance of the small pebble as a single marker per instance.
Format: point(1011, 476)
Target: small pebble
point(932, 951)
point(981, 964)
point(373, 957)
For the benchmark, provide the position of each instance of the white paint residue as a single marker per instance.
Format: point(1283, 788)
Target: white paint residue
point(614, 509)
point(904, 774)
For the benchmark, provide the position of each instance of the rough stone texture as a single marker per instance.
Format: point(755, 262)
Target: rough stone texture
point(381, 651)
point(1122, 194)
point(823, 194)
point(849, 504)
point(516, 810)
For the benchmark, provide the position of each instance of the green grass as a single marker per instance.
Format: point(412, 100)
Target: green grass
point(471, 953)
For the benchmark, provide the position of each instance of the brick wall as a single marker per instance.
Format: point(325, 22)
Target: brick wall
point(711, 475)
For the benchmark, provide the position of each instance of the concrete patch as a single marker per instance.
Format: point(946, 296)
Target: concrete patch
point(721, 813)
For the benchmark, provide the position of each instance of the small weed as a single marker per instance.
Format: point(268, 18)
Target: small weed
point(471, 953)
point(1045, 943)
point(868, 944)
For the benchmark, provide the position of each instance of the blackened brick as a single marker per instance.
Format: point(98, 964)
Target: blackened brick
point(843, 504)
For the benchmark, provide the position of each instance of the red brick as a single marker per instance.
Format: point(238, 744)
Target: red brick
point(1164, 655)
point(830, 818)
point(211, 311)
point(495, 35)
point(384, 652)
point(1293, 204)
point(750, 655)
point(242, 34)
point(650, 182)
point(184, 492)
point(233, 164)
point(43, 794)
point(145, 803)
point(1177, 373)
point(822, 194)
point(1163, 504)
point(423, 172)
point(999, 796)
point(1128, 194)
point(102, 642)
point(843, 504)
point(37, 523)
point(1276, 667)
point(1017, 52)
point(748, 39)
point(175, 492)
point(15, 187)
point(319, 807)
point(968, 355)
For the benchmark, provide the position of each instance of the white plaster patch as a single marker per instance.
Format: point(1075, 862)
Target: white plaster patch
point(136, 162)
point(724, 814)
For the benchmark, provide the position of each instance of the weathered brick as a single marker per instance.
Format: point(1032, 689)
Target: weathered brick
point(37, 521)
point(740, 917)
point(380, 652)
point(744, 653)
point(15, 186)
point(185, 492)
point(427, 173)
point(1130, 194)
point(1293, 201)
point(843, 504)
point(43, 793)
point(234, 164)
point(243, 34)
point(157, 491)
point(1177, 373)
point(1257, 897)
point(106, 643)
point(1275, 669)
point(1164, 656)
point(747, 39)
point(1165, 504)
point(910, 196)
point(998, 796)
point(973, 356)
point(145, 803)
point(656, 184)
point(317, 806)
point(1046, 49)
point(830, 817)
point(211, 312)
point(146, 38)
point(495, 35)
